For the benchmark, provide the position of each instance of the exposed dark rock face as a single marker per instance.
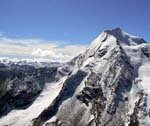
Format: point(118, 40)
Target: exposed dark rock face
point(67, 91)
point(21, 84)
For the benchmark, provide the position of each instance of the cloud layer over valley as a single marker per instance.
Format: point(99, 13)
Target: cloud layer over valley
point(38, 49)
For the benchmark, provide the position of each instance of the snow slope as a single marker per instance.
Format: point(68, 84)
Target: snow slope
point(24, 117)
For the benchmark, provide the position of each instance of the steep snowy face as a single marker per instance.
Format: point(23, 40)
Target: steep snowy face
point(139, 56)
point(103, 88)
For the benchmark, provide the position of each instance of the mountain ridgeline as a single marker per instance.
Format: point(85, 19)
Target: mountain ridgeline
point(107, 85)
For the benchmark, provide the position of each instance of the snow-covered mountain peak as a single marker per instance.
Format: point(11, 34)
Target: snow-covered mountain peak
point(121, 37)
point(106, 85)
point(112, 38)
point(124, 37)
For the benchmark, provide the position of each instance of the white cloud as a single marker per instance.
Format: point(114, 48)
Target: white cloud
point(37, 48)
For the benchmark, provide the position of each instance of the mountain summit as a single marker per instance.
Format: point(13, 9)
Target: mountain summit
point(106, 85)
point(125, 37)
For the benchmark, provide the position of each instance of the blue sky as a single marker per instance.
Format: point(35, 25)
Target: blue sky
point(73, 21)
point(26, 24)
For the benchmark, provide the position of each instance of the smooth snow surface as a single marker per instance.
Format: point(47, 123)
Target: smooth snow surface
point(141, 63)
point(144, 74)
point(24, 117)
